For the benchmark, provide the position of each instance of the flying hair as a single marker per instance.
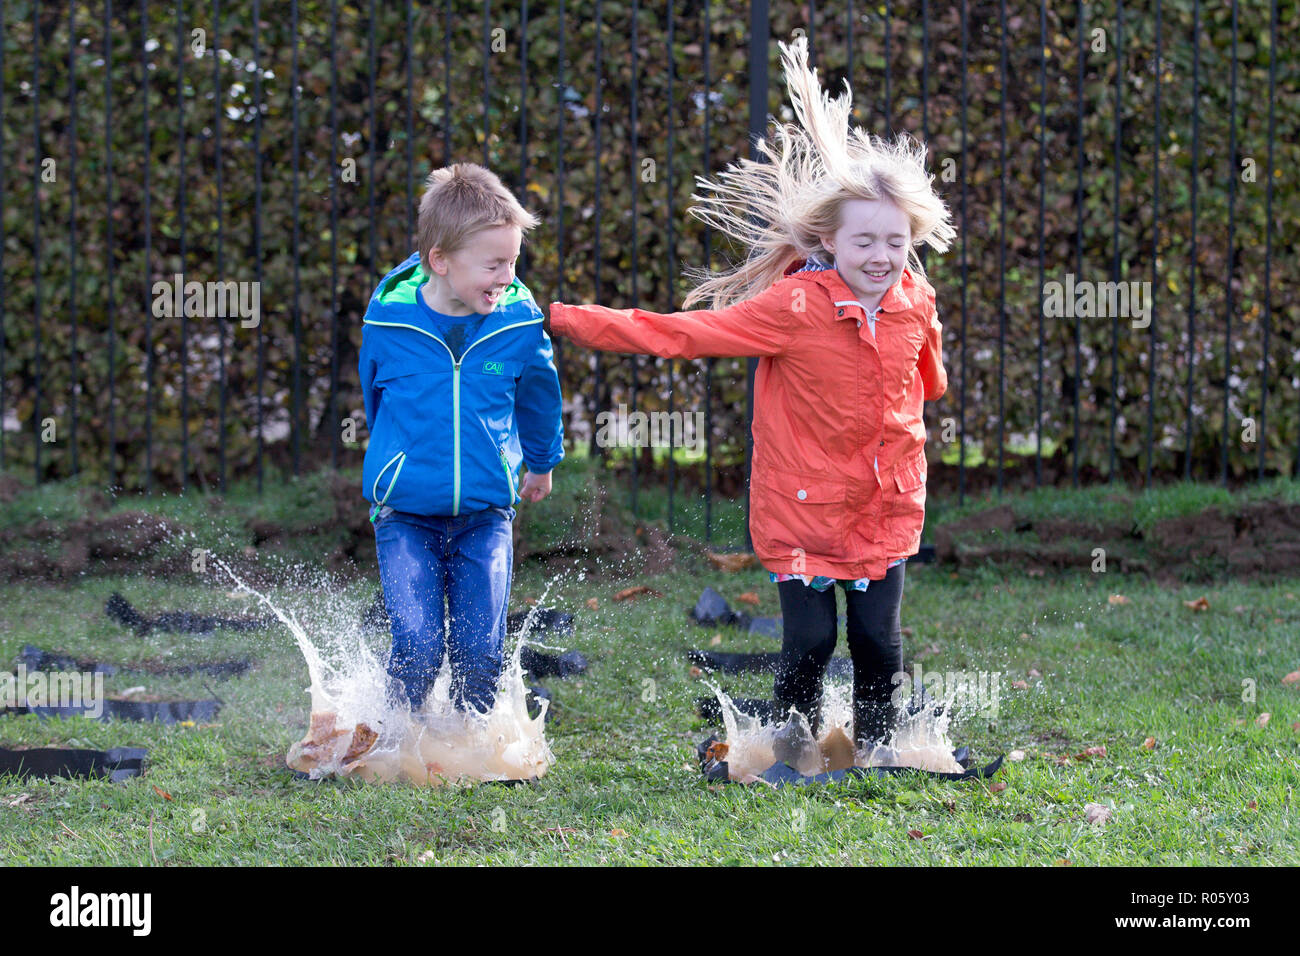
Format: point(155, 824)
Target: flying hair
point(778, 210)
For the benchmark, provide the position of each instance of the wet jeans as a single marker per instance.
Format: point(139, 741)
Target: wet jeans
point(466, 560)
point(810, 631)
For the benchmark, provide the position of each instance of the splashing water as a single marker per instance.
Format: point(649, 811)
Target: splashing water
point(920, 740)
point(356, 730)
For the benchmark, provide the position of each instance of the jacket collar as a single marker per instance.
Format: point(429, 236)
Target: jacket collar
point(900, 297)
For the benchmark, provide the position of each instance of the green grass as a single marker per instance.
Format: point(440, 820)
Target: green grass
point(1112, 675)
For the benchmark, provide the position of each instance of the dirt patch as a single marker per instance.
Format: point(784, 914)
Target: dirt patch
point(1256, 540)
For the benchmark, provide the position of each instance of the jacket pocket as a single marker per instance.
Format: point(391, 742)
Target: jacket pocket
point(510, 478)
point(395, 464)
point(909, 474)
point(905, 514)
point(793, 514)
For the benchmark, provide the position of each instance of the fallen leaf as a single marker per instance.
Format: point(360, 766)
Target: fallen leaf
point(1034, 672)
point(637, 591)
point(1117, 599)
point(916, 834)
point(530, 600)
point(162, 793)
point(715, 640)
point(1291, 678)
point(1016, 756)
point(1149, 744)
point(929, 650)
point(616, 832)
point(1063, 862)
point(1019, 685)
point(1200, 604)
point(730, 562)
point(998, 787)
point(749, 597)
point(1262, 719)
point(1091, 752)
point(1252, 805)
point(425, 857)
point(1296, 726)
point(1024, 636)
point(593, 603)
point(20, 800)
point(906, 632)
point(1096, 813)
point(696, 672)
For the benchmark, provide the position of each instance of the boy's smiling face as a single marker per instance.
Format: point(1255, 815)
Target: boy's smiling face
point(472, 279)
point(870, 247)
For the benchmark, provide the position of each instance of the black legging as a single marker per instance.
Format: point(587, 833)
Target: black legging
point(875, 641)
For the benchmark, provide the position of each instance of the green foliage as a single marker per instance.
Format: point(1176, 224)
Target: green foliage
point(633, 248)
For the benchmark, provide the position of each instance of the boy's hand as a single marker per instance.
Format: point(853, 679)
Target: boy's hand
point(535, 487)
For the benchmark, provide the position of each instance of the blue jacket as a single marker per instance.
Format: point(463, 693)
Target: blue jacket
point(447, 437)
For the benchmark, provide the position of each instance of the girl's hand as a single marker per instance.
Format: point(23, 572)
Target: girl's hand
point(535, 487)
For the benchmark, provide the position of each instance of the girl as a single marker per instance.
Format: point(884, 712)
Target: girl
point(832, 297)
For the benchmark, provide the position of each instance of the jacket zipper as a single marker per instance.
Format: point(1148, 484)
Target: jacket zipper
point(455, 396)
point(505, 466)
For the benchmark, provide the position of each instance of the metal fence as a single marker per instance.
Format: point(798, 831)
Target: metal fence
point(1117, 175)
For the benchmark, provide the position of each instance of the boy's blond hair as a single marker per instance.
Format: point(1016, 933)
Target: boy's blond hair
point(458, 201)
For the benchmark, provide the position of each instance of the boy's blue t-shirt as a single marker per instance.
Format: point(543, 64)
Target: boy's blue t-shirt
point(456, 330)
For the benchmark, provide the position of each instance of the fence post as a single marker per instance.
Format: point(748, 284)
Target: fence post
point(760, 37)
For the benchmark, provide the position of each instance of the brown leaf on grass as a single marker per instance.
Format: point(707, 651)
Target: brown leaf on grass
point(1020, 685)
point(749, 597)
point(530, 600)
point(1091, 752)
point(162, 793)
point(1096, 813)
point(1252, 805)
point(717, 751)
point(916, 834)
point(616, 832)
point(637, 591)
point(906, 632)
point(593, 603)
point(1262, 719)
point(1117, 599)
point(998, 787)
point(1149, 744)
point(928, 650)
point(1035, 672)
point(1296, 726)
point(730, 562)
point(1063, 862)
point(1016, 756)
point(1200, 604)
point(695, 671)
point(715, 640)
point(1291, 678)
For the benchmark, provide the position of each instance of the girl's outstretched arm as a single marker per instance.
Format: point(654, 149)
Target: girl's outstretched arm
point(763, 325)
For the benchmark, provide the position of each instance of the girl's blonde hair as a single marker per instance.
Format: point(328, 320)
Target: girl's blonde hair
point(780, 209)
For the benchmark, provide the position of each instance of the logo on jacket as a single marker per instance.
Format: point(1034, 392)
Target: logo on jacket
point(493, 368)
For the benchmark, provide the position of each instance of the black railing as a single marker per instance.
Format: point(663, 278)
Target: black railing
point(191, 155)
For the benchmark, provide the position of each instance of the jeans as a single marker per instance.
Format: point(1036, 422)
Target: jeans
point(468, 560)
point(810, 630)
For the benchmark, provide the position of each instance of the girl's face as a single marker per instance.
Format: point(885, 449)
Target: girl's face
point(870, 247)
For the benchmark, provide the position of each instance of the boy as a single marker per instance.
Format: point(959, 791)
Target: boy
point(459, 388)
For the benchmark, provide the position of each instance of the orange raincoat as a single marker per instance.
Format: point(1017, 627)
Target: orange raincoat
point(837, 484)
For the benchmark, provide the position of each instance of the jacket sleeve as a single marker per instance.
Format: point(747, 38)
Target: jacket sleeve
point(930, 362)
point(368, 366)
point(762, 325)
point(538, 409)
